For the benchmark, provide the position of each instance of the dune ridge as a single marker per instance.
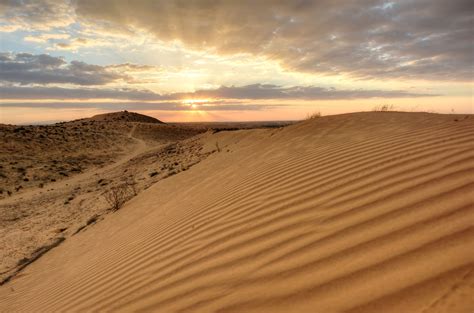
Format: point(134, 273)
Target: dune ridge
point(364, 212)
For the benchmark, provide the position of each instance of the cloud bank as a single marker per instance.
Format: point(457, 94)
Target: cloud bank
point(29, 76)
point(369, 39)
point(250, 92)
point(37, 14)
point(269, 91)
point(42, 69)
point(161, 106)
point(363, 39)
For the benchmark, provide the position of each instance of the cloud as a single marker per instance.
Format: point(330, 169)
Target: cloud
point(74, 44)
point(15, 92)
point(267, 91)
point(130, 67)
point(46, 37)
point(368, 39)
point(363, 39)
point(249, 92)
point(37, 14)
point(161, 106)
point(80, 42)
point(26, 68)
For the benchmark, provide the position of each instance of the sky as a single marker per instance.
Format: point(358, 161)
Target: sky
point(233, 60)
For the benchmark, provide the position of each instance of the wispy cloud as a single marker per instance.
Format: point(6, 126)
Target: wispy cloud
point(46, 37)
point(37, 92)
point(73, 44)
point(267, 91)
point(159, 106)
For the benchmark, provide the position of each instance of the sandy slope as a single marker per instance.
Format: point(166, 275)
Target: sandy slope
point(368, 212)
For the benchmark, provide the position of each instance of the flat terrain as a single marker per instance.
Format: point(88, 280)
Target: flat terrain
point(365, 212)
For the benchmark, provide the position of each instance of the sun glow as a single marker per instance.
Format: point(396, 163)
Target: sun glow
point(194, 103)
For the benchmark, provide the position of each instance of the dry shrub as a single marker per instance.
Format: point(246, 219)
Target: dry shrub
point(384, 108)
point(313, 115)
point(118, 195)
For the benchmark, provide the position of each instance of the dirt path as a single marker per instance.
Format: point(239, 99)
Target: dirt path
point(135, 150)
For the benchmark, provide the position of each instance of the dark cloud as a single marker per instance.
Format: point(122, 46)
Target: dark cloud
point(25, 68)
point(373, 39)
point(161, 106)
point(267, 91)
point(250, 92)
point(14, 92)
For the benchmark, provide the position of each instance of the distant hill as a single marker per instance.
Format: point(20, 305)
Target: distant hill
point(125, 116)
point(34, 155)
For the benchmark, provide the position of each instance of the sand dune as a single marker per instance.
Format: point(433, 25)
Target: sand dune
point(367, 212)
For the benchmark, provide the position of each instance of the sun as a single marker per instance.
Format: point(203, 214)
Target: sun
point(194, 103)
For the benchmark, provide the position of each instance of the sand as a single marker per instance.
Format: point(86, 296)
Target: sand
point(366, 212)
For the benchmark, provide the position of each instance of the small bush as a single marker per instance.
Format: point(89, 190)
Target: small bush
point(313, 115)
point(384, 108)
point(118, 195)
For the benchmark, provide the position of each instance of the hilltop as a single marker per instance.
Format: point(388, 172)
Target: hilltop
point(36, 155)
point(124, 116)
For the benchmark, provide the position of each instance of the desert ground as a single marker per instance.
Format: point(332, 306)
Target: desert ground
point(360, 212)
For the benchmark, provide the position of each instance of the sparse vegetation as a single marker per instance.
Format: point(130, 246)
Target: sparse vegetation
point(132, 185)
point(384, 108)
point(39, 252)
point(118, 195)
point(313, 115)
point(217, 147)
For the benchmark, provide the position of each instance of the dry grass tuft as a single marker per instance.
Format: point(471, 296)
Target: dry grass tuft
point(313, 115)
point(118, 195)
point(384, 108)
